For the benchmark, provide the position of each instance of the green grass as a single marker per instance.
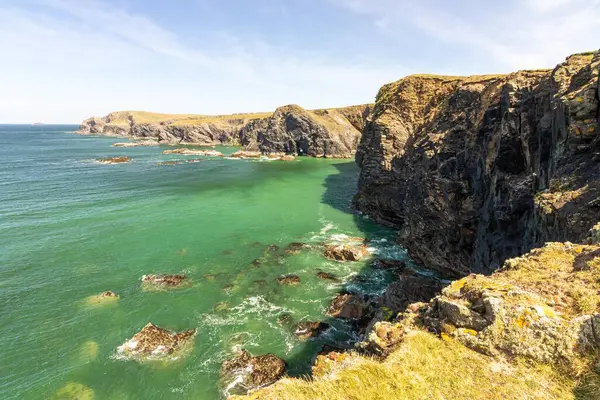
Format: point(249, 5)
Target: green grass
point(425, 367)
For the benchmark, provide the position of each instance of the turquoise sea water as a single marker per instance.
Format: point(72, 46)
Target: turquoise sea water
point(71, 228)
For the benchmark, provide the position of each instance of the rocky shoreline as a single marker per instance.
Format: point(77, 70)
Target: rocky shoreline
point(290, 130)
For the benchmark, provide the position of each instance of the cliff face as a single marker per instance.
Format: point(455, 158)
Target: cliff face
point(290, 129)
point(475, 170)
point(319, 133)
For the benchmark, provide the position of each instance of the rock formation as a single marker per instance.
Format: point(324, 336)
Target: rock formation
point(246, 372)
point(290, 130)
point(153, 342)
point(475, 170)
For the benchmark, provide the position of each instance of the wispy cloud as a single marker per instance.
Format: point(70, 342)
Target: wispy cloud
point(520, 34)
point(70, 59)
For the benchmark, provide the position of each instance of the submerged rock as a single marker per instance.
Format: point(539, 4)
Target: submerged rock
point(285, 319)
point(245, 372)
point(103, 298)
point(327, 277)
point(288, 280)
point(345, 252)
point(306, 330)
point(166, 281)
point(296, 247)
point(347, 306)
point(74, 391)
point(153, 342)
point(191, 152)
point(114, 160)
point(381, 263)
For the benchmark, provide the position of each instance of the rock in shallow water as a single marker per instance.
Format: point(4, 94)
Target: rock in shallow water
point(153, 342)
point(166, 281)
point(245, 372)
point(288, 280)
point(114, 160)
point(347, 306)
point(306, 330)
point(345, 252)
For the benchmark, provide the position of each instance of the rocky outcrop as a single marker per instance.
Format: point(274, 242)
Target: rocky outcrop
point(245, 372)
point(153, 342)
point(191, 152)
point(543, 306)
point(294, 130)
point(290, 130)
point(114, 160)
point(163, 281)
point(306, 329)
point(347, 306)
point(475, 170)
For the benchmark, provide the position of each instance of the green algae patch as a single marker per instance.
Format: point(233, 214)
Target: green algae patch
point(74, 391)
point(88, 351)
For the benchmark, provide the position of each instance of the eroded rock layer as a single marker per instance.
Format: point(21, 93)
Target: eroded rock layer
point(475, 170)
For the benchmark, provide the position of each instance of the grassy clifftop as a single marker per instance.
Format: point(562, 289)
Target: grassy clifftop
point(526, 332)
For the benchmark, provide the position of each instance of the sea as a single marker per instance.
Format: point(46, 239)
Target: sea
point(71, 228)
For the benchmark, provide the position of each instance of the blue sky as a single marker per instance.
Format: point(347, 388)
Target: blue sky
point(65, 60)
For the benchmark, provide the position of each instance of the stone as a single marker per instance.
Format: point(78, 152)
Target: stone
point(306, 329)
point(289, 280)
point(153, 342)
point(347, 306)
point(345, 252)
point(285, 319)
point(246, 372)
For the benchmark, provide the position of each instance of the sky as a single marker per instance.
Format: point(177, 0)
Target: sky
point(62, 61)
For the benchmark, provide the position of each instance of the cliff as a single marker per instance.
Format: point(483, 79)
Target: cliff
point(290, 129)
point(475, 170)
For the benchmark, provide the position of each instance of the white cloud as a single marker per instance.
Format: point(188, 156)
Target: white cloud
point(527, 34)
point(87, 58)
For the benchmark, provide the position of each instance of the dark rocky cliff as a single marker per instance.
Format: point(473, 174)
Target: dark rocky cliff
point(475, 170)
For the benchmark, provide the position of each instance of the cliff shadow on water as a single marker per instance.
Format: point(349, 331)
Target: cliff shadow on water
point(367, 282)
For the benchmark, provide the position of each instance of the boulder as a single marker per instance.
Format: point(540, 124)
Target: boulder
point(345, 252)
point(306, 329)
point(153, 342)
point(246, 372)
point(347, 306)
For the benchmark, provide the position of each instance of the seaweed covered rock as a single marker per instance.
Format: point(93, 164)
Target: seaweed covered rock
point(246, 372)
point(114, 160)
point(288, 280)
point(154, 343)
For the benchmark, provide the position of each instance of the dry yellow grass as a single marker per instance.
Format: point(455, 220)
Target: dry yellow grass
point(426, 367)
point(144, 117)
